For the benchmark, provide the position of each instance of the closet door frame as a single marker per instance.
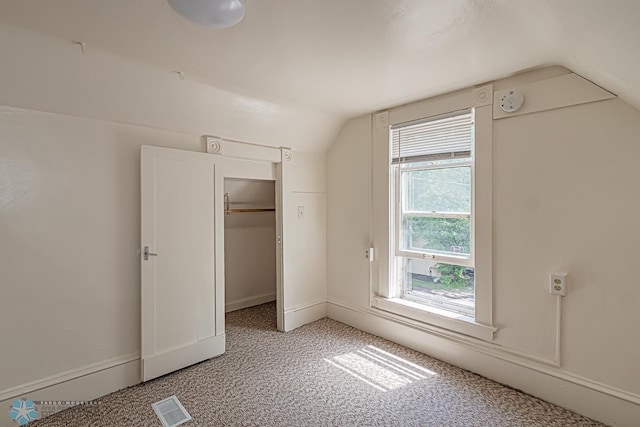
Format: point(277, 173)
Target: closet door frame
point(249, 161)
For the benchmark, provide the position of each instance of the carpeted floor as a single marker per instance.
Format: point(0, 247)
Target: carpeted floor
point(322, 374)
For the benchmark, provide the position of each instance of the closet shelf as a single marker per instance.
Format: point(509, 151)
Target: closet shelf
point(230, 211)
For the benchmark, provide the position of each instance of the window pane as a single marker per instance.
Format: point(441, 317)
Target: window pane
point(437, 190)
point(440, 235)
point(445, 285)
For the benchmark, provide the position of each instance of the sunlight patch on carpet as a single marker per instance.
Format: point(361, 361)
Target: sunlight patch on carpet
point(380, 369)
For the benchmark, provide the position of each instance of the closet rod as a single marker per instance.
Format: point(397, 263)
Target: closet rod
point(249, 210)
point(228, 210)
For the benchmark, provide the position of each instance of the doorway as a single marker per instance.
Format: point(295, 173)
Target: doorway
point(250, 244)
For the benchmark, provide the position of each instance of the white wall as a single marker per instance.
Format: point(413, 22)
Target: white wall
point(349, 213)
point(304, 239)
point(564, 199)
point(250, 245)
point(70, 237)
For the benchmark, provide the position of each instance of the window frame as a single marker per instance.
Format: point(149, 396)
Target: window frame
point(399, 213)
point(383, 300)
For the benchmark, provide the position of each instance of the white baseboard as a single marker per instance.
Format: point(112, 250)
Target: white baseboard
point(595, 400)
point(294, 318)
point(84, 384)
point(249, 302)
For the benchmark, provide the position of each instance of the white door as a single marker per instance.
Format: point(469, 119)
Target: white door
point(182, 244)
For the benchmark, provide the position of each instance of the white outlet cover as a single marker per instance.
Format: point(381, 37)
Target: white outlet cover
point(558, 284)
point(369, 254)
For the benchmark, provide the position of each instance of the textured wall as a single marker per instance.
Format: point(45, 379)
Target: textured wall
point(564, 199)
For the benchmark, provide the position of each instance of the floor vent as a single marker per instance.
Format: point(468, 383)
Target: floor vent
point(171, 412)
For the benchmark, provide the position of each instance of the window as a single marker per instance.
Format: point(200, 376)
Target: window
point(431, 213)
point(431, 170)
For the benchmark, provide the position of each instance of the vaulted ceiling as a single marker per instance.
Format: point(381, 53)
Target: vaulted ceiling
point(348, 57)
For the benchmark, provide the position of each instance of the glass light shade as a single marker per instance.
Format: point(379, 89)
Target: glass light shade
point(210, 13)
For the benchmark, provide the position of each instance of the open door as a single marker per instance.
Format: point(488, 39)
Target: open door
point(182, 242)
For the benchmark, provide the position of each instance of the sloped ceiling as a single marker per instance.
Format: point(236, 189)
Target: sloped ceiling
point(348, 57)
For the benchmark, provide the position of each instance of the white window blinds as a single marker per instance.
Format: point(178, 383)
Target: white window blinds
point(442, 137)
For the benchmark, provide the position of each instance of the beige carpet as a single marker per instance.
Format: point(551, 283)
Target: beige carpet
point(322, 374)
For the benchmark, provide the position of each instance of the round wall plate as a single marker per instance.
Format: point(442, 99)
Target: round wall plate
point(512, 101)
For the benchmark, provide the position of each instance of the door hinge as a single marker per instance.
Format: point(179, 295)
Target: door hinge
point(147, 254)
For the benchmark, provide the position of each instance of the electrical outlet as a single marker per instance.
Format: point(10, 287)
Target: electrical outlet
point(368, 254)
point(558, 284)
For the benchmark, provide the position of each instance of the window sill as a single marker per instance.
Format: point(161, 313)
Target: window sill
point(435, 316)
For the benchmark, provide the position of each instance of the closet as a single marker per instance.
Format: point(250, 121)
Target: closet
point(249, 242)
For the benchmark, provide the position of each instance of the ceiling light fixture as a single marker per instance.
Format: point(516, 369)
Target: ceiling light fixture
point(210, 13)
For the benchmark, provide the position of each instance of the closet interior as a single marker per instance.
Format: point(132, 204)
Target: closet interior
point(249, 243)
